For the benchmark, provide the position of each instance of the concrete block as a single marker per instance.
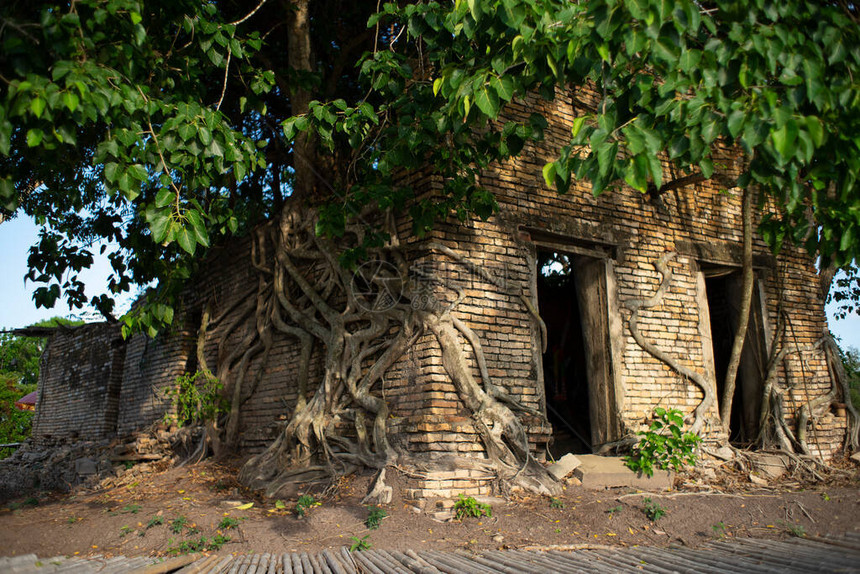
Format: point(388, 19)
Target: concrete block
point(599, 472)
point(565, 465)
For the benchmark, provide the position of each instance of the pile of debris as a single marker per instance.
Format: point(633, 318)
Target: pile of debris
point(66, 464)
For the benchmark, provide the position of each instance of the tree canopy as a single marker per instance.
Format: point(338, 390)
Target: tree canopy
point(161, 126)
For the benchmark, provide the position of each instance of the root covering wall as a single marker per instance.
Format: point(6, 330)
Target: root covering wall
point(613, 243)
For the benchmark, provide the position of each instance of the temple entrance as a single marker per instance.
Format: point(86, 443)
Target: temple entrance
point(576, 366)
point(723, 288)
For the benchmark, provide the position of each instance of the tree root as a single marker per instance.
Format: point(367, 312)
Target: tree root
point(305, 294)
point(635, 306)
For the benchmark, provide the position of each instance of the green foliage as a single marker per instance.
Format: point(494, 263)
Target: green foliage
point(467, 506)
point(663, 445)
point(851, 363)
point(229, 522)
point(19, 358)
point(178, 524)
point(196, 398)
point(797, 530)
point(130, 509)
point(611, 511)
point(200, 545)
point(360, 544)
point(154, 521)
point(305, 503)
point(157, 131)
point(374, 518)
point(652, 510)
point(125, 530)
point(15, 424)
point(556, 503)
point(720, 529)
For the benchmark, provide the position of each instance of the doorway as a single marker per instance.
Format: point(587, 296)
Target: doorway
point(723, 286)
point(580, 403)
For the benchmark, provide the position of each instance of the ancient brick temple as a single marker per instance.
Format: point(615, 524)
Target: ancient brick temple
point(588, 265)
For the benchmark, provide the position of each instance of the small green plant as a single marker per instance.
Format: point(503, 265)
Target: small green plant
point(130, 509)
point(359, 544)
point(556, 503)
point(217, 542)
point(154, 521)
point(177, 524)
point(466, 506)
point(229, 522)
point(73, 519)
point(720, 529)
point(794, 529)
point(663, 445)
point(305, 503)
point(652, 510)
point(825, 497)
point(125, 530)
point(196, 398)
point(611, 511)
point(374, 517)
point(203, 543)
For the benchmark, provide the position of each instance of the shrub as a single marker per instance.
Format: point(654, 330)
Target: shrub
point(374, 517)
point(468, 506)
point(663, 446)
point(305, 503)
point(196, 398)
point(652, 510)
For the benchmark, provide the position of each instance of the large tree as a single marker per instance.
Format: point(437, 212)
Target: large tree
point(158, 126)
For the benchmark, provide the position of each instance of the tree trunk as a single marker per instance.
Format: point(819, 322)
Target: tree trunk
point(743, 318)
point(301, 63)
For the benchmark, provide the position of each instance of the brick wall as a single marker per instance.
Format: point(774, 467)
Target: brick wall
point(79, 383)
point(617, 237)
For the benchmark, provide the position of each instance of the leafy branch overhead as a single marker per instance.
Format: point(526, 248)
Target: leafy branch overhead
point(151, 129)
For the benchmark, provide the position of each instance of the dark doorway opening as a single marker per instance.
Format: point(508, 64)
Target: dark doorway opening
point(724, 291)
point(572, 301)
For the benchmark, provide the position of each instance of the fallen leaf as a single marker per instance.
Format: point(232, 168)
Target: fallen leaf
point(245, 506)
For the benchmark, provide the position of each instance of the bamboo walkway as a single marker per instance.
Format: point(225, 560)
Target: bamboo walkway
point(738, 556)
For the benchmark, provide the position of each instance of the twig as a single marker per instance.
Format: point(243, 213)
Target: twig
point(224, 85)
point(251, 13)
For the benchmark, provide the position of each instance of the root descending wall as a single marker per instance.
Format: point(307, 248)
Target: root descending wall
point(622, 232)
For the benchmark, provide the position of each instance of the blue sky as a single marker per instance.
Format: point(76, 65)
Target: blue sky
point(18, 310)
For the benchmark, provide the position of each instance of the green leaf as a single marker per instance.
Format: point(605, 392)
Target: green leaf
point(185, 239)
point(71, 100)
point(815, 129)
point(576, 127)
point(736, 122)
point(164, 197)
point(504, 87)
point(549, 174)
point(34, 137)
point(37, 106)
point(138, 172)
point(111, 171)
point(785, 139)
point(159, 224)
point(437, 85)
point(186, 131)
point(487, 101)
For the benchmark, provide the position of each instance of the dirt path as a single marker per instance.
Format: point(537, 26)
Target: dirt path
point(171, 511)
